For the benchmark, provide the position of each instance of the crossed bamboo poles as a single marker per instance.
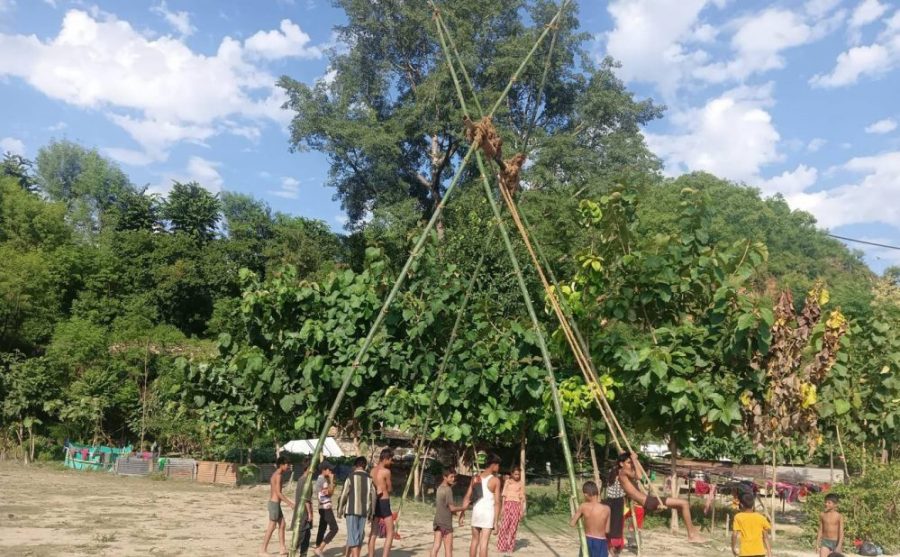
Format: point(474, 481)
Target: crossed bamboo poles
point(574, 338)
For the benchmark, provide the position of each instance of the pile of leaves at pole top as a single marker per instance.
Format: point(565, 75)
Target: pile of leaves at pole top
point(788, 404)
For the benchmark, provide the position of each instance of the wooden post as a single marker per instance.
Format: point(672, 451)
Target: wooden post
point(673, 450)
point(774, 489)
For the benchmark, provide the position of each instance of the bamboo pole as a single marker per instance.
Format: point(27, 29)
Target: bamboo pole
point(379, 319)
point(442, 369)
point(520, 279)
point(367, 343)
point(542, 344)
point(567, 323)
point(594, 463)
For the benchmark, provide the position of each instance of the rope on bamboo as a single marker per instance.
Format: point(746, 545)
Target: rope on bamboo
point(483, 135)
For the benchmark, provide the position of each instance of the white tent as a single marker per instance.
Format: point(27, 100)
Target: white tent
point(307, 446)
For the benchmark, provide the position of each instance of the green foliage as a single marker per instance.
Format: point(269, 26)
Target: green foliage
point(862, 394)
point(869, 506)
point(193, 210)
point(669, 317)
point(389, 120)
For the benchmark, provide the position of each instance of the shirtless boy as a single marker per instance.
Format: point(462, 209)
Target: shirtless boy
point(628, 478)
point(381, 478)
point(596, 520)
point(831, 528)
point(276, 517)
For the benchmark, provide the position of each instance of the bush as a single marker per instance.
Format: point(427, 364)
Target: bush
point(870, 505)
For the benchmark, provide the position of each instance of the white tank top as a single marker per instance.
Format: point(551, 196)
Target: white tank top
point(486, 493)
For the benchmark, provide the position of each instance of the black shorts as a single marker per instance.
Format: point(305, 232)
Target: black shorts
point(651, 503)
point(383, 508)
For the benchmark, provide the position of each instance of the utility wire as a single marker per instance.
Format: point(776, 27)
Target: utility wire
point(863, 242)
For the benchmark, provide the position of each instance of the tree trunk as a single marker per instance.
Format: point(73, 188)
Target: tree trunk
point(594, 463)
point(31, 442)
point(831, 464)
point(144, 392)
point(884, 451)
point(522, 463)
point(522, 441)
point(673, 450)
point(837, 430)
point(416, 475)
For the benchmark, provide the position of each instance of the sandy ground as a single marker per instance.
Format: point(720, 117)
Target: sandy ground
point(46, 511)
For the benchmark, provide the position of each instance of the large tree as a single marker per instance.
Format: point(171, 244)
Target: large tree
point(191, 209)
point(388, 117)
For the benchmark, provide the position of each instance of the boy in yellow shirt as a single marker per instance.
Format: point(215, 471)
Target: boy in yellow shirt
point(752, 530)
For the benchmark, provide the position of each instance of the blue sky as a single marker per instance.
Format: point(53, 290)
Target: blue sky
point(794, 97)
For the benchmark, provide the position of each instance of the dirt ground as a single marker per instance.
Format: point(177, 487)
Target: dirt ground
point(46, 511)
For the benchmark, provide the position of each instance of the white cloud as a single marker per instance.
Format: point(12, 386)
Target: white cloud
point(858, 61)
point(731, 136)
point(648, 37)
point(790, 181)
point(866, 12)
point(882, 126)
point(12, 145)
point(290, 188)
point(204, 172)
point(875, 198)
point(156, 136)
point(158, 90)
point(58, 127)
point(872, 60)
point(820, 8)
point(815, 144)
point(341, 219)
point(290, 41)
point(131, 157)
point(180, 20)
point(758, 43)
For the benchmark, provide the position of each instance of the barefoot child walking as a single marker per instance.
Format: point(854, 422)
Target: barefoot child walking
point(276, 517)
point(444, 509)
point(751, 531)
point(596, 517)
point(831, 528)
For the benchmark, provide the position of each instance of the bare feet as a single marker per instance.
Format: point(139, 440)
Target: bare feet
point(696, 538)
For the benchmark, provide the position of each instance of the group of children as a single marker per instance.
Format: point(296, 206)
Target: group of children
point(365, 498)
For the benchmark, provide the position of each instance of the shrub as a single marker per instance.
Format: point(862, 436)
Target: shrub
point(870, 505)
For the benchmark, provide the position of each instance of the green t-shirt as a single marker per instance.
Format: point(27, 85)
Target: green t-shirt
point(443, 518)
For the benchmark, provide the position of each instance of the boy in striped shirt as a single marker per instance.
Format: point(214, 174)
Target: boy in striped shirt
point(357, 505)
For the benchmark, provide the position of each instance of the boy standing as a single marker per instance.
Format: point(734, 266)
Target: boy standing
point(751, 529)
point(596, 517)
point(381, 477)
point(444, 509)
point(324, 490)
point(276, 517)
point(357, 504)
point(831, 528)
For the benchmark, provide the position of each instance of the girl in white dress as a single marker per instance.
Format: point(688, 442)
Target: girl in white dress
point(485, 492)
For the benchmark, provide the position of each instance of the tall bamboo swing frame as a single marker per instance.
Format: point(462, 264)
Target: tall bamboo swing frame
point(560, 307)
